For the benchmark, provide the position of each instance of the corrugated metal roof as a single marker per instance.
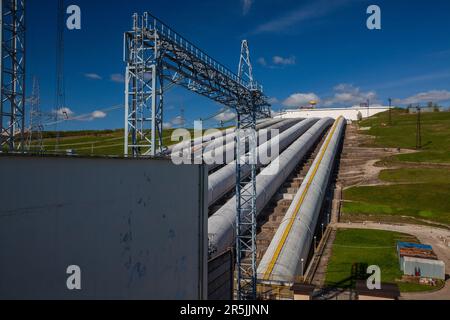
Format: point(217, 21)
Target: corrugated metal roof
point(417, 253)
point(414, 245)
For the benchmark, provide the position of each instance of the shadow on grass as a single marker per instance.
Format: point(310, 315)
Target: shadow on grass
point(333, 289)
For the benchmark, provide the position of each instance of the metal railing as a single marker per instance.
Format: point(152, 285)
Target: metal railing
point(162, 29)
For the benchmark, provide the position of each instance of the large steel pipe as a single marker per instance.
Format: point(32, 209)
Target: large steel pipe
point(218, 139)
point(222, 181)
point(290, 247)
point(222, 155)
point(221, 225)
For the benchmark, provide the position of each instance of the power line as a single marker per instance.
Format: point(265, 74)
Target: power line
point(419, 130)
point(390, 111)
point(60, 99)
point(82, 116)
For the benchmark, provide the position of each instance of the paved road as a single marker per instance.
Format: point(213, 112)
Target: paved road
point(436, 237)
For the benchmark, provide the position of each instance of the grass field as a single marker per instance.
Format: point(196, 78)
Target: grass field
point(402, 134)
point(417, 175)
point(367, 247)
point(428, 201)
point(417, 190)
point(96, 143)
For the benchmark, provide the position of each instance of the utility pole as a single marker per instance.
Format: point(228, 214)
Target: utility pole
point(60, 98)
point(390, 111)
point(419, 130)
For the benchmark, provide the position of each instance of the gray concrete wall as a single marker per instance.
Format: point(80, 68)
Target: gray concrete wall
point(221, 277)
point(136, 228)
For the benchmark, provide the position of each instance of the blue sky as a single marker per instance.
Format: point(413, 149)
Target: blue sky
point(300, 50)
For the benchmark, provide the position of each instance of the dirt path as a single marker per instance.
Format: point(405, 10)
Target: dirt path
point(358, 162)
point(438, 238)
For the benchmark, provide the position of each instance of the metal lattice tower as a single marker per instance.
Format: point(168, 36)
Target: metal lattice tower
point(144, 94)
point(245, 71)
point(36, 127)
point(246, 190)
point(12, 103)
point(155, 54)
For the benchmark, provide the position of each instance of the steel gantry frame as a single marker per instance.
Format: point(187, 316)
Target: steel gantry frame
point(12, 60)
point(158, 58)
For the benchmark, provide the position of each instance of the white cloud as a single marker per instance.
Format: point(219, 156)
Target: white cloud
point(64, 113)
point(117, 77)
point(90, 116)
point(68, 114)
point(262, 61)
point(349, 95)
point(225, 116)
point(178, 121)
point(413, 79)
point(273, 100)
point(304, 13)
point(93, 76)
point(423, 97)
point(300, 99)
point(98, 115)
point(278, 60)
point(167, 125)
point(246, 6)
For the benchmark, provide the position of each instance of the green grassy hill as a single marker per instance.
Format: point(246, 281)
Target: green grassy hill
point(402, 134)
point(418, 183)
point(92, 143)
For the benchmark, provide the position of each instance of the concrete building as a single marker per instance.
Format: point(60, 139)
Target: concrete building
point(352, 114)
point(413, 110)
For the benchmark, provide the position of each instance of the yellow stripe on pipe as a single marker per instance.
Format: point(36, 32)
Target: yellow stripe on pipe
point(288, 229)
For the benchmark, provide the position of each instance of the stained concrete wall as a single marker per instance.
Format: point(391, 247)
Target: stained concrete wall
point(136, 228)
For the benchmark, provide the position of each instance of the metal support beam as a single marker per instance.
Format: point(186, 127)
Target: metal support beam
point(12, 102)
